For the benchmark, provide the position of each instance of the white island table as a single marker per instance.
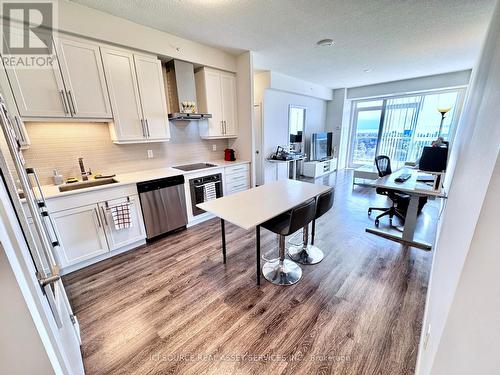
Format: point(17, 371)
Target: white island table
point(251, 208)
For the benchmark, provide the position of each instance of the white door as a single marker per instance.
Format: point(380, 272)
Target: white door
point(124, 95)
point(81, 66)
point(81, 234)
point(153, 100)
point(229, 105)
point(39, 92)
point(121, 237)
point(214, 103)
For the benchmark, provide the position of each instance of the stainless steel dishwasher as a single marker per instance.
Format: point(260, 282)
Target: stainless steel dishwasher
point(163, 205)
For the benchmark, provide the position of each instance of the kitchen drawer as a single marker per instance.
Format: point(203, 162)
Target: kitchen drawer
point(240, 176)
point(234, 186)
point(237, 168)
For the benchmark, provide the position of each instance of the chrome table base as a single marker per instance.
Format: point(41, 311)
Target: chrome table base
point(282, 272)
point(308, 254)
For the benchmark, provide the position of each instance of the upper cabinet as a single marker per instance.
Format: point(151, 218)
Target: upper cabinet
point(153, 100)
point(137, 94)
point(72, 87)
point(83, 76)
point(216, 93)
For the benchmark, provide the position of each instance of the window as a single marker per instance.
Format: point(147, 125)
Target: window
point(400, 127)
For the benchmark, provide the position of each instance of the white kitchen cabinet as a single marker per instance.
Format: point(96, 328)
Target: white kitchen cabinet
point(137, 97)
point(83, 77)
point(72, 87)
point(216, 94)
point(118, 238)
point(229, 105)
point(124, 94)
point(81, 234)
point(17, 122)
point(38, 92)
point(152, 94)
point(236, 178)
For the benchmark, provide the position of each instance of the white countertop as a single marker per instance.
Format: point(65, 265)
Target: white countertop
point(253, 207)
point(52, 191)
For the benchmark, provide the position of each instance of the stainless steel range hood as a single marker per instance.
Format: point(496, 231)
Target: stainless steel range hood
point(181, 88)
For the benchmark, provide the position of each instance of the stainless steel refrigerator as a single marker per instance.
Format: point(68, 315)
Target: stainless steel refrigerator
point(32, 246)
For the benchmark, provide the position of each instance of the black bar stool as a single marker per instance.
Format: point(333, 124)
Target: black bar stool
point(310, 254)
point(282, 271)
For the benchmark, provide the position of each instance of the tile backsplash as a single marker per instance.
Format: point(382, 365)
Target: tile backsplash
point(59, 145)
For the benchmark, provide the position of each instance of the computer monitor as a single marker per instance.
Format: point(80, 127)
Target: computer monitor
point(433, 159)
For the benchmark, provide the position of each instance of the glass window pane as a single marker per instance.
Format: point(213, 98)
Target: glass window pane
point(409, 124)
point(365, 137)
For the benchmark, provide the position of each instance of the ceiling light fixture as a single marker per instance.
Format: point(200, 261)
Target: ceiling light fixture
point(367, 70)
point(325, 43)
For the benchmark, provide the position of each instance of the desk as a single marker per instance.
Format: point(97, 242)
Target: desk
point(277, 162)
point(365, 172)
point(250, 208)
point(416, 190)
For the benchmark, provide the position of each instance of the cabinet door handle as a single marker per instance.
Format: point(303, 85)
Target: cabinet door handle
point(225, 127)
point(71, 102)
point(19, 130)
point(65, 105)
point(222, 127)
point(98, 218)
point(104, 216)
point(147, 128)
point(143, 128)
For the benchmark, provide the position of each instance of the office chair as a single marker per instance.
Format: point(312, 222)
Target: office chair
point(383, 164)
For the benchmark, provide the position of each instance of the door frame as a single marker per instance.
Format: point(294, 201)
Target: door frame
point(259, 159)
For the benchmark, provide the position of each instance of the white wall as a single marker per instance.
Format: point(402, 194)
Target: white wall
point(275, 119)
point(472, 164)
point(81, 20)
point(469, 344)
point(335, 113)
point(244, 144)
point(294, 85)
point(434, 82)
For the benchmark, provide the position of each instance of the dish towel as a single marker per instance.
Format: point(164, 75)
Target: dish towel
point(121, 216)
point(209, 192)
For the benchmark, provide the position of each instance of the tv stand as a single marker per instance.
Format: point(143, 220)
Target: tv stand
point(317, 169)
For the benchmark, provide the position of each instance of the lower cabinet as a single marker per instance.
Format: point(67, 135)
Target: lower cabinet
point(236, 179)
point(81, 234)
point(89, 231)
point(123, 237)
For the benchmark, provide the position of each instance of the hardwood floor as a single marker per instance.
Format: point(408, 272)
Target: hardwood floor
point(172, 307)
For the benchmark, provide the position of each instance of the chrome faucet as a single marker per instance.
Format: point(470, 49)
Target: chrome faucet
point(85, 175)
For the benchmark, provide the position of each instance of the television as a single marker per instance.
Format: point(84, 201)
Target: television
point(321, 146)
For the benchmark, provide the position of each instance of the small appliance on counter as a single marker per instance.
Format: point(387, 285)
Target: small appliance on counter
point(229, 154)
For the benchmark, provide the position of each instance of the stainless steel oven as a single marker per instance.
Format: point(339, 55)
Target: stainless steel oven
point(203, 189)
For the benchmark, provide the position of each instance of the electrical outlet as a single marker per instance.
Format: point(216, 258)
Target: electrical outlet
point(427, 336)
point(214, 147)
point(150, 154)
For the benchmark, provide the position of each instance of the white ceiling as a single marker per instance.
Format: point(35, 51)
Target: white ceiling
point(396, 39)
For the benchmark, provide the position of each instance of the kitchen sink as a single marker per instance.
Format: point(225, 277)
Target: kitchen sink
point(86, 184)
point(195, 166)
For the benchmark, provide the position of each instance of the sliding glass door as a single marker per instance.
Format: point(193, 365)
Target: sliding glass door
point(367, 118)
point(400, 127)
